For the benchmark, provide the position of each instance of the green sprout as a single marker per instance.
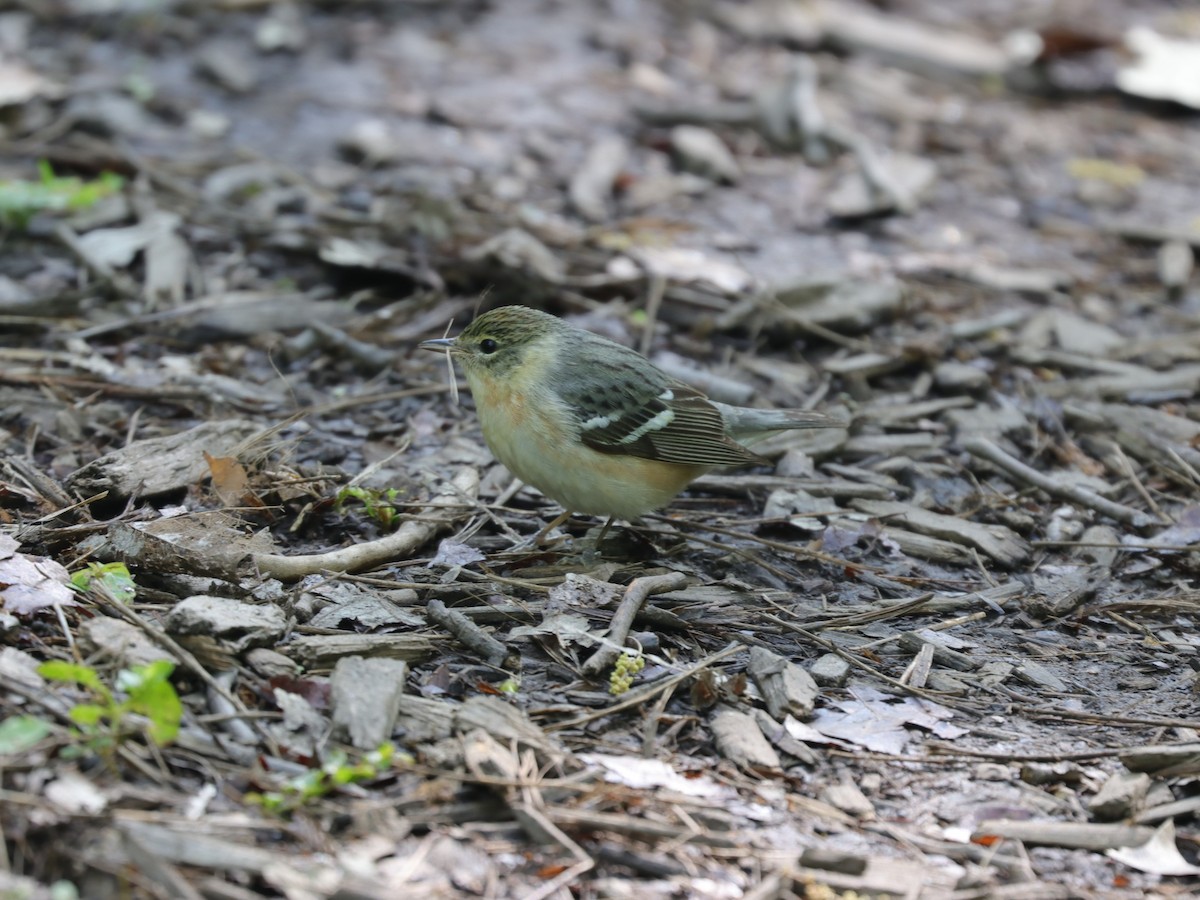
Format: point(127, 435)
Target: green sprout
point(113, 578)
point(378, 504)
point(139, 690)
point(335, 772)
point(21, 199)
point(19, 733)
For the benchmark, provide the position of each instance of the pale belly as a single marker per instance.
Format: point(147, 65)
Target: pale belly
point(582, 480)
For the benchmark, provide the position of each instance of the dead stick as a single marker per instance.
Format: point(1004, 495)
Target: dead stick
point(636, 594)
point(474, 638)
point(636, 698)
point(441, 513)
point(985, 449)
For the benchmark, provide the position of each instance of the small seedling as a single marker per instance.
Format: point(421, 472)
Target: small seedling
point(335, 772)
point(378, 504)
point(113, 578)
point(19, 733)
point(21, 199)
point(140, 690)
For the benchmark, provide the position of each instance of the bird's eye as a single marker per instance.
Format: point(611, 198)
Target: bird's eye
point(487, 345)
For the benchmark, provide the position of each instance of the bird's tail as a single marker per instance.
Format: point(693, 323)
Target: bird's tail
point(747, 425)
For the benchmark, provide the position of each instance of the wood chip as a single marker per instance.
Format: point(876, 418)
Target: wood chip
point(785, 687)
point(365, 698)
point(830, 670)
point(942, 655)
point(1001, 544)
point(241, 625)
point(1164, 760)
point(849, 798)
point(323, 651)
point(1120, 797)
point(592, 185)
point(739, 740)
point(162, 465)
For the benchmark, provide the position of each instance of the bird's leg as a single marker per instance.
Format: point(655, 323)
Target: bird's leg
point(604, 530)
point(541, 535)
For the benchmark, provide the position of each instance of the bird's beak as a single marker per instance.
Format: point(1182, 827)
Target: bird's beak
point(442, 344)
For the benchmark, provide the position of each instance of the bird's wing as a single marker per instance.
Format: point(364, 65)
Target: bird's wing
point(640, 411)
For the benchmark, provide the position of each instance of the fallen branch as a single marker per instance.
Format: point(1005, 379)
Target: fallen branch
point(985, 449)
point(636, 595)
point(443, 511)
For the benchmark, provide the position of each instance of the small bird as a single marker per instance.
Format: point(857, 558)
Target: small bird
point(594, 425)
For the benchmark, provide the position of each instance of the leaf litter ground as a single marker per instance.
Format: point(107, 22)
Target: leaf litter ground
point(946, 651)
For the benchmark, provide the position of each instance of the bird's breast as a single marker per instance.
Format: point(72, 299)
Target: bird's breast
point(538, 441)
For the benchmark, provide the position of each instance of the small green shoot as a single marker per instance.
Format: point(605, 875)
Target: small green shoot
point(336, 771)
point(113, 578)
point(147, 691)
point(378, 504)
point(152, 695)
point(21, 199)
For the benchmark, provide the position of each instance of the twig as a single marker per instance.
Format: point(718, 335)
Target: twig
point(439, 514)
point(985, 449)
point(487, 511)
point(636, 594)
point(1132, 475)
point(943, 749)
point(851, 620)
point(638, 697)
point(831, 647)
point(473, 637)
point(1113, 545)
point(655, 288)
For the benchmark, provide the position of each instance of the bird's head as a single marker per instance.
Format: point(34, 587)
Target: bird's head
point(501, 340)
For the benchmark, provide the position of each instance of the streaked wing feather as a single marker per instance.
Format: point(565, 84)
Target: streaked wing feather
point(697, 435)
point(655, 417)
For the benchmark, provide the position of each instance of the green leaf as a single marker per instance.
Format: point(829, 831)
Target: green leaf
point(336, 759)
point(87, 713)
point(19, 733)
point(152, 694)
point(64, 890)
point(112, 577)
point(351, 493)
point(161, 705)
point(72, 673)
point(376, 503)
point(272, 801)
point(310, 784)
point(20, 199)
point(138, 678)
point(76, 751)
point(381, 757)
